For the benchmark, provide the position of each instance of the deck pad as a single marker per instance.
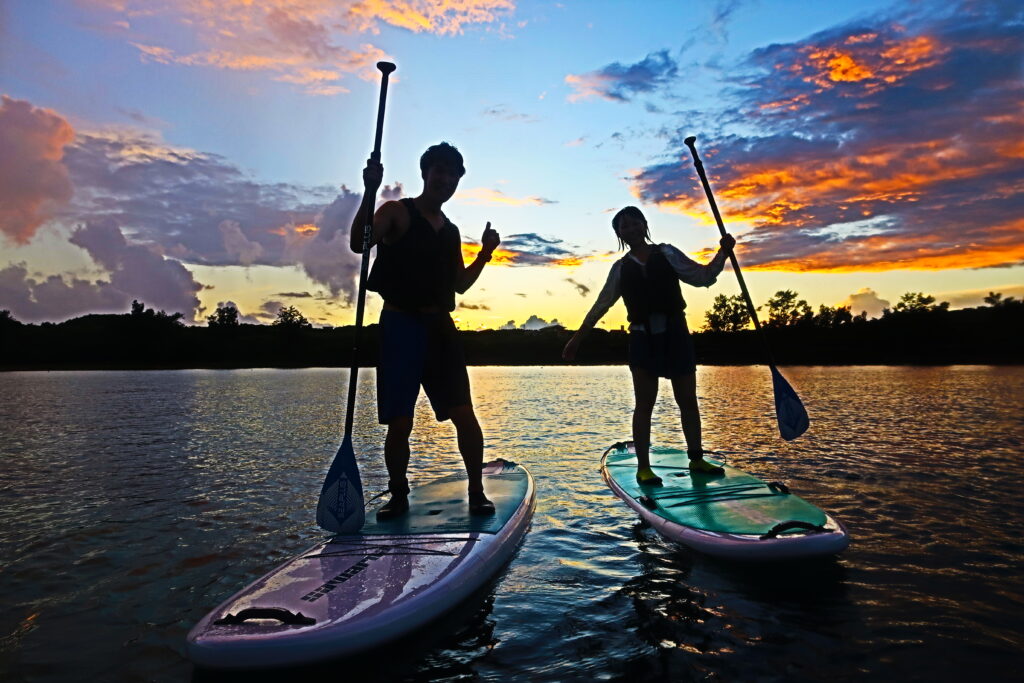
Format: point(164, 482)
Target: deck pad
point(734, 503)
point(441, 507)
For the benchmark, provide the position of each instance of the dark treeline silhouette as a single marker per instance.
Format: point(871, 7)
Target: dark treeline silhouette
point(917, 330)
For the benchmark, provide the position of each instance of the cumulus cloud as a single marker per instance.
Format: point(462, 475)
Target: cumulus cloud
point(134, 272)
point(203, 210)
point(237, 245)
point(892, 143)
point(33, 179)
point(535, 322)
point(138, 271)
point(621, 82)
point(391, 192)
point(54, 298)
point(866, 300)
point(242, 317)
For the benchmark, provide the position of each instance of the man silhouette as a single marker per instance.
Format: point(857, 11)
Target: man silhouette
point(417, 272)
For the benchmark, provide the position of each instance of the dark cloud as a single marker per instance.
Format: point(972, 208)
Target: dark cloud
point(294, 295)
point(721, 15)
point(269, 310)
point(474, 307)
point(580, 287)
point(622, 82)
point(532, 249)
point(502, 112)
point(894, 142)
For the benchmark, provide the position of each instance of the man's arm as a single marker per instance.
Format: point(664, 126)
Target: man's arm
point(468, 274)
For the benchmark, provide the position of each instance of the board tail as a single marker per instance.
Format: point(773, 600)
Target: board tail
point(792, 415)
point(340, 509)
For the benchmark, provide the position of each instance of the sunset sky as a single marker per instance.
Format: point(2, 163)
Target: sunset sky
point(188, 153)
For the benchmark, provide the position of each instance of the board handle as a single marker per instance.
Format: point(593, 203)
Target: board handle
point(278, 613)
point(794, 524)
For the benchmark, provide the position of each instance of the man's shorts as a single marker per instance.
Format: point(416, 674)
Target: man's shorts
point(419, 349)
point(669, 353)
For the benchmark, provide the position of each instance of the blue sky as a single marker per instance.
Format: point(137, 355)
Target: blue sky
point(190, 152)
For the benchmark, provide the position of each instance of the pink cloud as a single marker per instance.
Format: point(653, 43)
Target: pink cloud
point(33, 179)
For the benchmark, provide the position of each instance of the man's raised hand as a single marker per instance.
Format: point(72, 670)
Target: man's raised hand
point(490, 240)
point(373, 175)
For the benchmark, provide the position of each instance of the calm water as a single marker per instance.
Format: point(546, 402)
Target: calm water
point(133, 502)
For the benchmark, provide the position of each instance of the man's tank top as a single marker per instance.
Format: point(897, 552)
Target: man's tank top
point(419, 270)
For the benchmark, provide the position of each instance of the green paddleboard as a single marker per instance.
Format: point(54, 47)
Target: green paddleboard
point(733, 514)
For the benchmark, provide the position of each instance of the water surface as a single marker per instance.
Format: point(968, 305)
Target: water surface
point(133, 502)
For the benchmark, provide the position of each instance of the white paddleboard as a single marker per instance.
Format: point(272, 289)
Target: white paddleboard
point(357, 591)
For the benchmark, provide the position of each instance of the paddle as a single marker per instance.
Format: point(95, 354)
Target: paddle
point(340, 508)
point(792, 416)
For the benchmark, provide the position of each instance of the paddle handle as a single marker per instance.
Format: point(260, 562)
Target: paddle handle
point(691, 143)
point(385, 68)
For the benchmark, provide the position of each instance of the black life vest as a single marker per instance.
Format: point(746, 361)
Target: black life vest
point(650, 288)
point(419, 270)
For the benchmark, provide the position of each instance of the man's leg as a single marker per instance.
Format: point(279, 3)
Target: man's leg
point(645, 394)
point(396, 458)
point(471, 446)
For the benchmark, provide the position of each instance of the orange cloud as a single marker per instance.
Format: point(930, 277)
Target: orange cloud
point(34, 181)
point(871, 150)
point(866, 58)
point(488, 196)
point(885, 252)
point(303, 42)
point(442, 17)
point(862, 186)
point(500, 257)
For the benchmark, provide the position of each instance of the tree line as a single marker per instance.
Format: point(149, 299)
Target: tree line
point(786, 309)
point(917, 330)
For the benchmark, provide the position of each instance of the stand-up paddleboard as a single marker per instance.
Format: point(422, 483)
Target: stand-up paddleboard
point(356, 591)
point(733, 515)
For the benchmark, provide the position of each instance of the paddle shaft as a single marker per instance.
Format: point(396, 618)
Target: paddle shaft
point(385, 68)
point(690, 142)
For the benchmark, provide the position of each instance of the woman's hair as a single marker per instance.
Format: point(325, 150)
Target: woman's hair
point(443, 154)
point(632, 212)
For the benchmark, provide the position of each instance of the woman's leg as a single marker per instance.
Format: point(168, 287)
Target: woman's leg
point(685, 389)
point(645, 393)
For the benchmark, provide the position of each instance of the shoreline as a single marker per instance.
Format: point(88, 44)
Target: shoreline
point(86, 367)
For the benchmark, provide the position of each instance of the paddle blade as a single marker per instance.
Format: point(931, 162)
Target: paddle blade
point(340, 509)
point(793, 420)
